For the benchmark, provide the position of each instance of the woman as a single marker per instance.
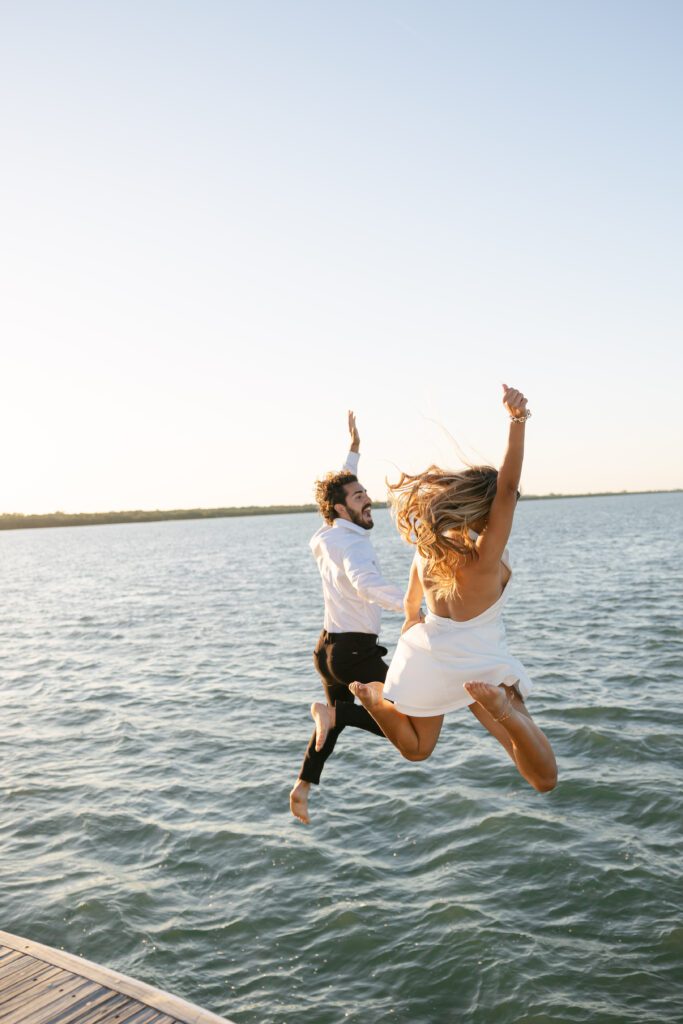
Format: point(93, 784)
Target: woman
point(460, 524)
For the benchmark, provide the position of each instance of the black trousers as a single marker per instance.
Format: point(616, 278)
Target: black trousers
point(340, 659)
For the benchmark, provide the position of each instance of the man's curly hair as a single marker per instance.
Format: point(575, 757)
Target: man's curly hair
point(330, 492)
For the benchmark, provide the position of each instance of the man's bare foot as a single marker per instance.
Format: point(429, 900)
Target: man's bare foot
point(496, 699)
point(369, 694)
point(298, 801)
point(325, 718)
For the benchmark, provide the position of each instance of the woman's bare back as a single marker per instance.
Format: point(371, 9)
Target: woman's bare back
point(478, 589)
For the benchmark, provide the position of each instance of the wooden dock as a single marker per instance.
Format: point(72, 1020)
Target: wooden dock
point(41, 985)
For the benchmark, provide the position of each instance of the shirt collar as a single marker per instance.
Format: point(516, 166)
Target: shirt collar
point(345, 524)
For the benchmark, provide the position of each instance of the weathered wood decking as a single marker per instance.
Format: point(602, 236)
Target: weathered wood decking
point(41, 985)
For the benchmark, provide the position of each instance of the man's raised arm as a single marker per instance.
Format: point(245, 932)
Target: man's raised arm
point(351, 463)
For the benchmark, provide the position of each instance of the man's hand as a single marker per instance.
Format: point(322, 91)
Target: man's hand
point(353, 431)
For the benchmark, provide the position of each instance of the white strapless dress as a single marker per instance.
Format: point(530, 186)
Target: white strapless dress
point(434, 658)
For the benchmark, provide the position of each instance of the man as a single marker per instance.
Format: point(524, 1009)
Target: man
point(354, 592)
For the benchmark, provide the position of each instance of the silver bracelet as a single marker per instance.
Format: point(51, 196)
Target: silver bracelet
point(523, 418)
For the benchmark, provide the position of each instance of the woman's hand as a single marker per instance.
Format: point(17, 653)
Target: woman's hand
point(409, 623)
point(514, 401)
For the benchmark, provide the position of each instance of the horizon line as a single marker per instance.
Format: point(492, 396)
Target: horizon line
point(30, 520)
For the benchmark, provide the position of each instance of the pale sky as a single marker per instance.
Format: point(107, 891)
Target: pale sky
point(225, 223)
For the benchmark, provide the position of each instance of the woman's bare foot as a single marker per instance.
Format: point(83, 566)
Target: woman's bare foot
point(298, 801)
point(325, 718)
point(495, 699)
point(369, 694)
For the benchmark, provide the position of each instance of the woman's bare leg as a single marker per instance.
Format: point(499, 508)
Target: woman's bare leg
point(415, 738)
point(502, 711)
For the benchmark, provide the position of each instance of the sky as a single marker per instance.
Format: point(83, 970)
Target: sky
point(226, 223)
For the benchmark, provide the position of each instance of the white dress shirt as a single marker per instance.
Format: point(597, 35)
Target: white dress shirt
point(353, 586)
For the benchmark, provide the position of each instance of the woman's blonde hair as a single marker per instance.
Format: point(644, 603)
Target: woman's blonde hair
point(435, 510)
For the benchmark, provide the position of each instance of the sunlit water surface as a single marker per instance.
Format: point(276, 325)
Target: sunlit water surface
point(154, 690)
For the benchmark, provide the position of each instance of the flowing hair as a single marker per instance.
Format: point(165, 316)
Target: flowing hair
point(435, 510)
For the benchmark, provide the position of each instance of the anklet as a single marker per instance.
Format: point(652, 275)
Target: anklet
point(507, 710)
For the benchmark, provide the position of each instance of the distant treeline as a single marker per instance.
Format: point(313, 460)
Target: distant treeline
point(17, 521)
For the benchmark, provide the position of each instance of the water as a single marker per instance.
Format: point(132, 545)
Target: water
point(154, 687)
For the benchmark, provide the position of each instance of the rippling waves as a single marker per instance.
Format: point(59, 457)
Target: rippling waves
point(154, 687)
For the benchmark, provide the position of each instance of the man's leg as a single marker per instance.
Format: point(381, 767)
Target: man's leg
point(343, 712)
point(349, 657)
point(314, 759)
point(329, 725)
point(338, 661)
point(335, 691)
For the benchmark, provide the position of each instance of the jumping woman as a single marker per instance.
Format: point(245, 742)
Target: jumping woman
point(460, 524)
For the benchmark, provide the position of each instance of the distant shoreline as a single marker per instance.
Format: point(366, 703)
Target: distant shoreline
point(18, 521)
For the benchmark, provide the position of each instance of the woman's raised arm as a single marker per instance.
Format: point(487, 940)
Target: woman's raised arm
point(492, 542)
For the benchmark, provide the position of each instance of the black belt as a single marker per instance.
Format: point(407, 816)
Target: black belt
point(352, 636)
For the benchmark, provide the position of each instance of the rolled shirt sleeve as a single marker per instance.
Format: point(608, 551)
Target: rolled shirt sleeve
point(351, 463)
point(368, 582)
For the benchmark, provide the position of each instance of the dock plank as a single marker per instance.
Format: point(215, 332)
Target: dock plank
point(28, 991)
point(117, 1008)
point(141, 1015)
point(34, 971)
point(59, 992)
point(10, 956)
point(82, 1006)
point(43, 985)
point(20, 968)
point(89, 1010)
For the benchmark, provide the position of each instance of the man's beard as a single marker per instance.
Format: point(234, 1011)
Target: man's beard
point(357, 518)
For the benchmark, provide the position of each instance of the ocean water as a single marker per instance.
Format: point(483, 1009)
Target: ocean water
point(154, 690)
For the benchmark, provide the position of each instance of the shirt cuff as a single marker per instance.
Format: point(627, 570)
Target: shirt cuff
point(351, 463)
